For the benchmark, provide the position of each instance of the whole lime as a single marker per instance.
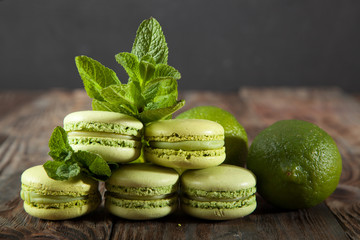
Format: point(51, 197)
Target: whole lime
point(236, 141)
point(297, 164)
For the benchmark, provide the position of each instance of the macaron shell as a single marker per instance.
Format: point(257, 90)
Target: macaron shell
point(183, 128)
point(37, 177)
point(139, 213)
point(143, 175)
point(103, 117)
point(111, 154)
point(220, 178)
point(185, 159)
point(219, 214)
point(60, 214)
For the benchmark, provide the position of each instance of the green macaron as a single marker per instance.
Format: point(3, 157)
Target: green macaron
point(185, 143)
point(114, 136)
point(142, 191)
point(46, 198)
point(218, 193)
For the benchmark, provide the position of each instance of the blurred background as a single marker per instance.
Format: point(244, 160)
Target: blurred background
point(216, 45)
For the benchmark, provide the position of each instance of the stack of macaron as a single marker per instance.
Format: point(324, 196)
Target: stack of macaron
point(183, 156)
point(114, 136)
point(195, 148)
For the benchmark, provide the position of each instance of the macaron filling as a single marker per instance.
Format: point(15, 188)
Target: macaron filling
point(103, 139)
point(198, 194)
point(211, 204)
point(140, 203)
point(188, 145)
point(175, 137)
point(169, 153)
point(55, 200)
point(102, 135)
point(146, 192)
point(32, 197)
point(102, 127)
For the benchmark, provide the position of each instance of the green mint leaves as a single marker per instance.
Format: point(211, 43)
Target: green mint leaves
point(95, 76)
point(151, 91)
point(68, 163)
point(150, 40)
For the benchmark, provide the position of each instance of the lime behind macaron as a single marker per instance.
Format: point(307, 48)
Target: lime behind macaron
point(114, 136)
point(49, 199)
point(142, 191)
point(185, 143)
point(218, 193)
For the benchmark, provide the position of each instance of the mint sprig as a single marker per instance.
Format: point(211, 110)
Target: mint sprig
point(151, 91)
point(68, 163)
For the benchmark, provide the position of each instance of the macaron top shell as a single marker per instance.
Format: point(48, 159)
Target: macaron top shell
point(220, 178)
point(181, 128)
point(143, 175)
point(37, 178)
point(104, 118)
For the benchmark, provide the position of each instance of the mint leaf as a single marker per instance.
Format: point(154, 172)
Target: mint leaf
point(66, 171)
point(146, 70)
point(163, 70)
point(95, 76)
point(152, 84)
point(151, 40)
point(60, 149)
point(160, 93)
point(60, 170)
point(94, 165)
point(130, 63)
point(51, 169)
point(106, 106)
point(160, 113)
point(148, 58)
point(123, 95)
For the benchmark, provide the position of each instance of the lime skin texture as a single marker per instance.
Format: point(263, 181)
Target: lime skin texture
point(236, 140)
point(142, 191)
point(50, 199)
point(218, 193)
point(184, 143)
point(297, 164)
point(116, 137)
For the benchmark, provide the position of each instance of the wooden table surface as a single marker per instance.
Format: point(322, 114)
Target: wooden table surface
point(27, 119)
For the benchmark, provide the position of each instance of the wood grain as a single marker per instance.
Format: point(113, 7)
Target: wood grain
point(28, 119)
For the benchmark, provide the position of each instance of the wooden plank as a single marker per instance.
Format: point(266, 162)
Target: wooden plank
point(269, 223)
point(13, 100)
point(24, 134)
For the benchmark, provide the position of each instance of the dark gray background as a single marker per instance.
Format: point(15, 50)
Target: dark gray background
point(218, 45)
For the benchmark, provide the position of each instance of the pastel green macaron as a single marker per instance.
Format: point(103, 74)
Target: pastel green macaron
point(142, 191)
point(185, 143)
point(114, 136)
point(218, 193)
point(46, 198)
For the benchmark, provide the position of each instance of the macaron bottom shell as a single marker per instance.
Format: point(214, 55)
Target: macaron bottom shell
point(136, 210)
point(214, 213)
